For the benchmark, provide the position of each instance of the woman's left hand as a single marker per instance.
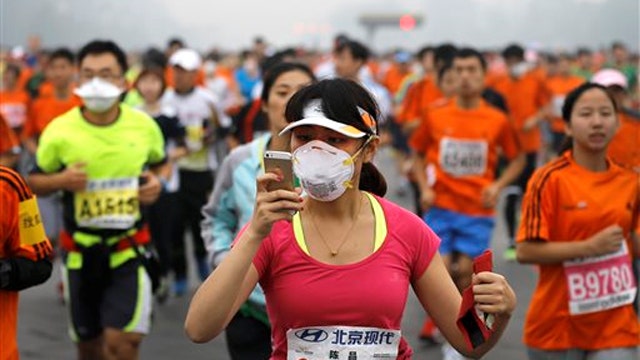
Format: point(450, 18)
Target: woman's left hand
point(493, 294)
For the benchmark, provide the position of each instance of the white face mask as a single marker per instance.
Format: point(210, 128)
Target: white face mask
point(520, 69)
point(325, 172)
point(98, 95)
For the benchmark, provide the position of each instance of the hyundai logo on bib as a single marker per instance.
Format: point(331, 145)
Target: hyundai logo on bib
point(312, 335)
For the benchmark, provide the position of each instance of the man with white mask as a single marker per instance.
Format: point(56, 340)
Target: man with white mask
point(107, 159)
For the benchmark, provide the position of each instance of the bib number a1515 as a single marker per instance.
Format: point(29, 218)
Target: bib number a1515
point(108, 204)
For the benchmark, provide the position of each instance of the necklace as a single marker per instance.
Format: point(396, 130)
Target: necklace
point(345, 237)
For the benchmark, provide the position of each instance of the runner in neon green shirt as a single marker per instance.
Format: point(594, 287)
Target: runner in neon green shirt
point(107, 158)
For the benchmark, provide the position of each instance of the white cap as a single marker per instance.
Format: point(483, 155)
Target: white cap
point(610, 77)
point(187, 59)
point(312, 114)
point(18, 52)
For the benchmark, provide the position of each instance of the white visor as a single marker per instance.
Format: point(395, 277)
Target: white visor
point(312, 115)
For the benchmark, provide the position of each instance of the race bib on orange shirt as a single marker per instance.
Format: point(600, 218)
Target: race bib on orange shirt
point(342, 342)
point(600, 283)
point(108, 204)
point(15, 114)
point(31, 227)
point(463, 157)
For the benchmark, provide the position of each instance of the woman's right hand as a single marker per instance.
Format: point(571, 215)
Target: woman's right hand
point(606, 241)
point(272, 206)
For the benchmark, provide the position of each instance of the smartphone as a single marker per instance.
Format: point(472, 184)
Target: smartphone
point(279, 162)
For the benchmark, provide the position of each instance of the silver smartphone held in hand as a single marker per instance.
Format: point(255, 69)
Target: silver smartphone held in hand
point(281, 163)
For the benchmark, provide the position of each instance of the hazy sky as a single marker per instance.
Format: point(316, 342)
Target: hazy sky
point(232, 24)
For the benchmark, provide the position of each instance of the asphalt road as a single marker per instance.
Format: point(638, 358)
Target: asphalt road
point(42, 329)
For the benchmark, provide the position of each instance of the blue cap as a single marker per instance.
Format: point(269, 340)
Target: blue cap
point(403, 57)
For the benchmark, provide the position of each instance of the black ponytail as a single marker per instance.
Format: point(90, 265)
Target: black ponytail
point(372, 180)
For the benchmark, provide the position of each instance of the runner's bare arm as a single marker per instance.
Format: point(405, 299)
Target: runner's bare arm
point(218, 299)
point(513, 170)
point(535, 251)
point(535, 119)
point(213, 126)
point(491, 192)
point(8, 159)
point(427, 196)
point(441, 299)
point(230, 284)
point(215, 121)
point(31, 144)
point(72, 178)
point(151, 188)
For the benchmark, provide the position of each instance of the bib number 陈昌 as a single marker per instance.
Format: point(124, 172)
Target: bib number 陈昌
point(342, 342)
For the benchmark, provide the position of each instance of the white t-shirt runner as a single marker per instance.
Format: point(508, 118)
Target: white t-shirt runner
point(194, 111)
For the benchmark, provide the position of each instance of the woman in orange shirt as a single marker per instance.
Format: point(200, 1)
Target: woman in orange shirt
point(579, 216)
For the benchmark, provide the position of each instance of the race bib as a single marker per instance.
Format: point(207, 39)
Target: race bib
point(342, 342)
point(31, 226)
point(600, 283)
point(108, 204)
point(463, 157)
point(15, 114)
point(198, 157)
point(195, 137)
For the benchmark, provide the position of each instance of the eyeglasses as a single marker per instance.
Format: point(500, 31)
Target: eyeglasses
point(104, 75)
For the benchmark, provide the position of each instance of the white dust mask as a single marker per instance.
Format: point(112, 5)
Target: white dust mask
point(98, 95)
point(520, 69)
point(325, 172)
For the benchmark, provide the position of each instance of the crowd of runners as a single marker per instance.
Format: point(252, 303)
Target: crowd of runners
point(132, 154)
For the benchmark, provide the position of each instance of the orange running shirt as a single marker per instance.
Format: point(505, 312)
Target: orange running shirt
point(419, 98)
point(565, 202)
point(525, 97)
point(463, 146)
point(16, 241)
point(25, 75)
point(393, 79)
point(46, 108)
point(625, 146)
point(46, 89)
point(559, 87)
